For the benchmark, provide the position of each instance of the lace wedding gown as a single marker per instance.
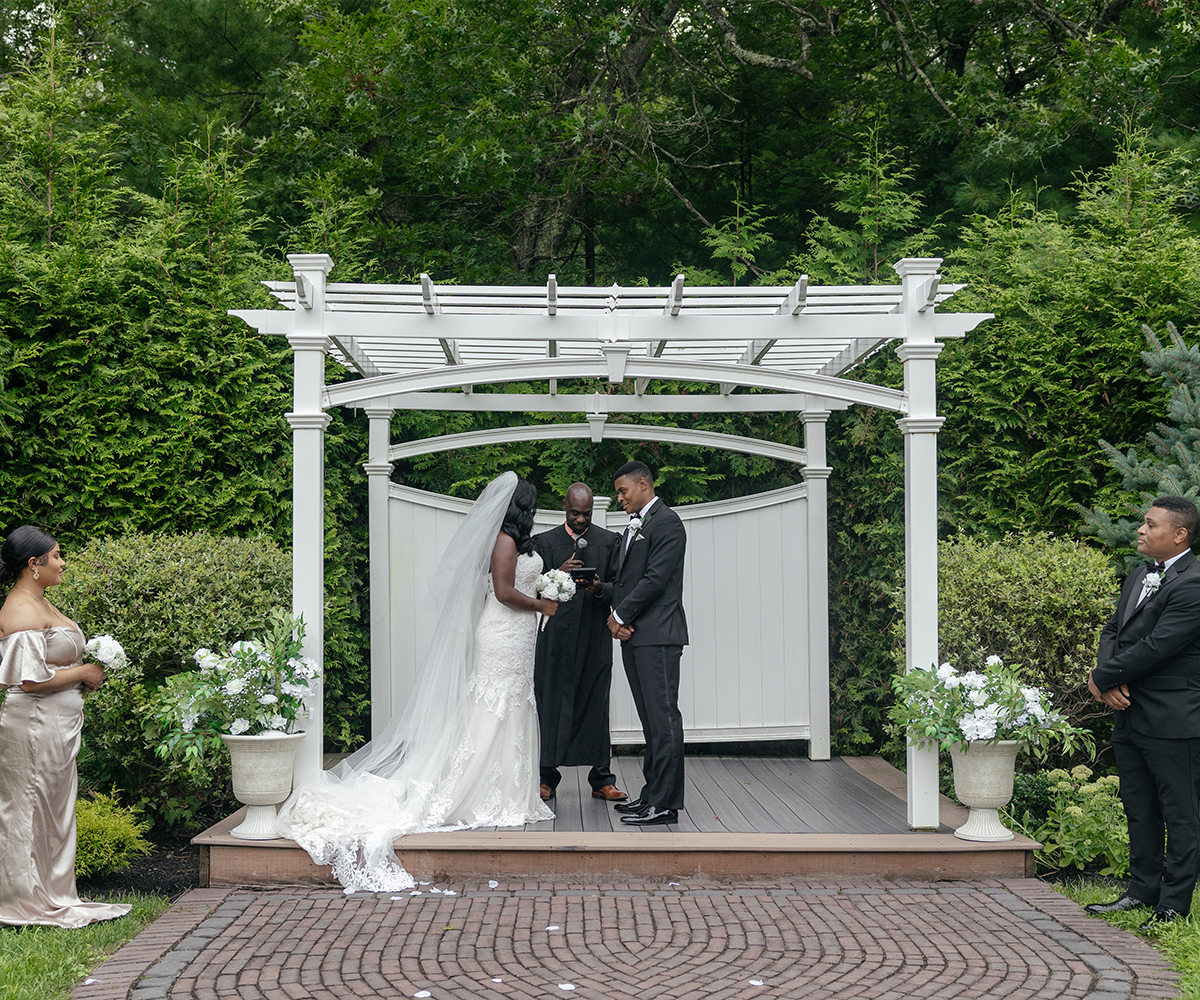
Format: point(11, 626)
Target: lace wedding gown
point(482, 773)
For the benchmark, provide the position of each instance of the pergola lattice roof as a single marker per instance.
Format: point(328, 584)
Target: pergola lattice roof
point(397, 329)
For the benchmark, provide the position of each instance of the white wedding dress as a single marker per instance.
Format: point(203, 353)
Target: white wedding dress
point(463, 756)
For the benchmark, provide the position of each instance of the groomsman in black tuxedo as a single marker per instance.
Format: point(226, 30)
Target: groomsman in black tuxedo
point(647, 616)
point(1149, 672)
point(572, 672)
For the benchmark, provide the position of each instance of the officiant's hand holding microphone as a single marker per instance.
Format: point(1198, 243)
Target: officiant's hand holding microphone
point(590, 580)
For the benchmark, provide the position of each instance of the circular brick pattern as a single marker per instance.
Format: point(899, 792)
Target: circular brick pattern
point(881, 941)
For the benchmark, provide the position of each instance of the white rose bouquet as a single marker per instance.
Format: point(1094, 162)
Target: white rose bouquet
point(555, 585)
point(948, 707)
point(259, 686)
point(105, 650)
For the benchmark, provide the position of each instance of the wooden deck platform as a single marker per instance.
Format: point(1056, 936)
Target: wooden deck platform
point(746, 818)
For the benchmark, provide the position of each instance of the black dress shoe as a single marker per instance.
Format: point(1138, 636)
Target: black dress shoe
point(1162, 915)
point(652, 817)
point(1116, 906)
point(633, 806)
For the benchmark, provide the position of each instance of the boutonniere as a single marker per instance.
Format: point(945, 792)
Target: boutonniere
point(1152, 581)
point(636, 522)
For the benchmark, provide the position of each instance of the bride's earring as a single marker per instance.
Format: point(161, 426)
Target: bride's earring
point(35, 573)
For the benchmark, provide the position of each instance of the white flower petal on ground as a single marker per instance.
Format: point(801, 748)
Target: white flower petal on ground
point(756, 982)
point(423, 993)
point(497, 980)
point(552, 927)
point(492, 883)
point(566, 986)
point(449, 892)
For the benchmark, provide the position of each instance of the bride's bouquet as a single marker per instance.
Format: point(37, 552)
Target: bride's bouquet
point(556, 585)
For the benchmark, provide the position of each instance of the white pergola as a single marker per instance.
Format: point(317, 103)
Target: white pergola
point(428, 347)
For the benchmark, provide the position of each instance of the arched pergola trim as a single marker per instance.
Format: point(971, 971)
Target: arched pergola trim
point(616, 367)
point(795, 345)
point(597, 429)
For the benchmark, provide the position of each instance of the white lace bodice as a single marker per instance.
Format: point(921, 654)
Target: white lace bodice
point(505, 641)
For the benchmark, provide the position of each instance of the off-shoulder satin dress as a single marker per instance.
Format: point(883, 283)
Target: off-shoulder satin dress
point(39, 741)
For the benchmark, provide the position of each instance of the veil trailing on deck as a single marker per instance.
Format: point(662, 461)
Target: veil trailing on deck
point(348, 816)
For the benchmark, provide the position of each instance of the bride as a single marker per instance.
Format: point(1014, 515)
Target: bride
point(463, 752)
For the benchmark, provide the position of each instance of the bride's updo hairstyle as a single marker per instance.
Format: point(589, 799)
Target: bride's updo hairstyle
point(22, 544)
point(518, 520)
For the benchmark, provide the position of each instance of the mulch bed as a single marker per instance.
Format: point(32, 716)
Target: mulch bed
point(171, 870)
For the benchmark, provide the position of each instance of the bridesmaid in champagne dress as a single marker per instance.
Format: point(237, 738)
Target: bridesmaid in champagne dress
point(41, 720)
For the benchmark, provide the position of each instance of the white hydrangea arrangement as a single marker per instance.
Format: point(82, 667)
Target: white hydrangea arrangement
point(259, 686)
point(948, 707)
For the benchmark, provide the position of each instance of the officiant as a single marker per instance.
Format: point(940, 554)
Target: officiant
point(572, 672)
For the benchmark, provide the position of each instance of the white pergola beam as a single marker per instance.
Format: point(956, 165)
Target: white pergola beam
point(507, 402)
point(358, 358)
point(596, 422)
point(595, 328)
point(797, 298)
point(355, 393)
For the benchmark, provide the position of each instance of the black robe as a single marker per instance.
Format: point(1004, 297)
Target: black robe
point(573, 669)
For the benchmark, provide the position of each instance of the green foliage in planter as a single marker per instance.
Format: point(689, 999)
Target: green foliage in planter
point(1083, 825)
point(1033, 599)
point(109, 835)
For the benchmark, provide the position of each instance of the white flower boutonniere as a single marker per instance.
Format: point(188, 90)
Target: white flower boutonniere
point(1152, 582)
point(635, 523)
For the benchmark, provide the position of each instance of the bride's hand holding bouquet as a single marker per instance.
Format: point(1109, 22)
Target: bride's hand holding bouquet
point(554, 587)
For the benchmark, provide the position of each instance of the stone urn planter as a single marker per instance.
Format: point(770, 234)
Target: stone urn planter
point(262, 779)
point(983, 780)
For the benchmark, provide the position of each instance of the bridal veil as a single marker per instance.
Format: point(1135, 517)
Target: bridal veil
point(347, 817)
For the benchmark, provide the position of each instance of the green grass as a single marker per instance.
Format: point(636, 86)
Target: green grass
point(1179, 941)
point(46, 963)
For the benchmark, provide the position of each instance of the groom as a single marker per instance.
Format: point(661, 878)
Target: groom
point(647, 616)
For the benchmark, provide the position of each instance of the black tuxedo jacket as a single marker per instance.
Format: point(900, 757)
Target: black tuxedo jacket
point(1155, 649)
point(647, 587)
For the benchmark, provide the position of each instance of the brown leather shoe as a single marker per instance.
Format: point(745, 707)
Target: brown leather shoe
point(610, 792)
point(547, 793)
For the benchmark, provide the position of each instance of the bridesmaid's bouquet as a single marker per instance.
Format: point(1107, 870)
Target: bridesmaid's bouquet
point(555, 585)
point(105, 650)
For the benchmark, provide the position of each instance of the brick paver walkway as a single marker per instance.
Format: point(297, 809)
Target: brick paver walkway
point(1015, 939)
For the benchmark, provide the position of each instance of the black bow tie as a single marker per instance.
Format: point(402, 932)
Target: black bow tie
point(1158, 568)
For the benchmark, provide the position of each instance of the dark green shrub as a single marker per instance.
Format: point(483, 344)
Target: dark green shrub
point(109, 836)
point(163, 597)
point(1036, 600)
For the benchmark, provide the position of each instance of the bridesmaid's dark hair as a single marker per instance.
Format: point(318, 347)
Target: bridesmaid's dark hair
point(22, 544)
point(518, 520)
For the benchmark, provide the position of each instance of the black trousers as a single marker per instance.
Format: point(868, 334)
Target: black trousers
point(598, 776)
point(1160, 787)
point(653, 673)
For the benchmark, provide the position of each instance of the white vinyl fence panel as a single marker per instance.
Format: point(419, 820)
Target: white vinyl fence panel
point(745, 673)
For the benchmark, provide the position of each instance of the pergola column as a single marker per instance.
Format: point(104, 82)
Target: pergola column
point(308, 421)
point(379, 478)
point(920, 427)
point(816, 474)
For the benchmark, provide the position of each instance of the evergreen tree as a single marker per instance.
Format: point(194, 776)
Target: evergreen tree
point(1172, 465)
